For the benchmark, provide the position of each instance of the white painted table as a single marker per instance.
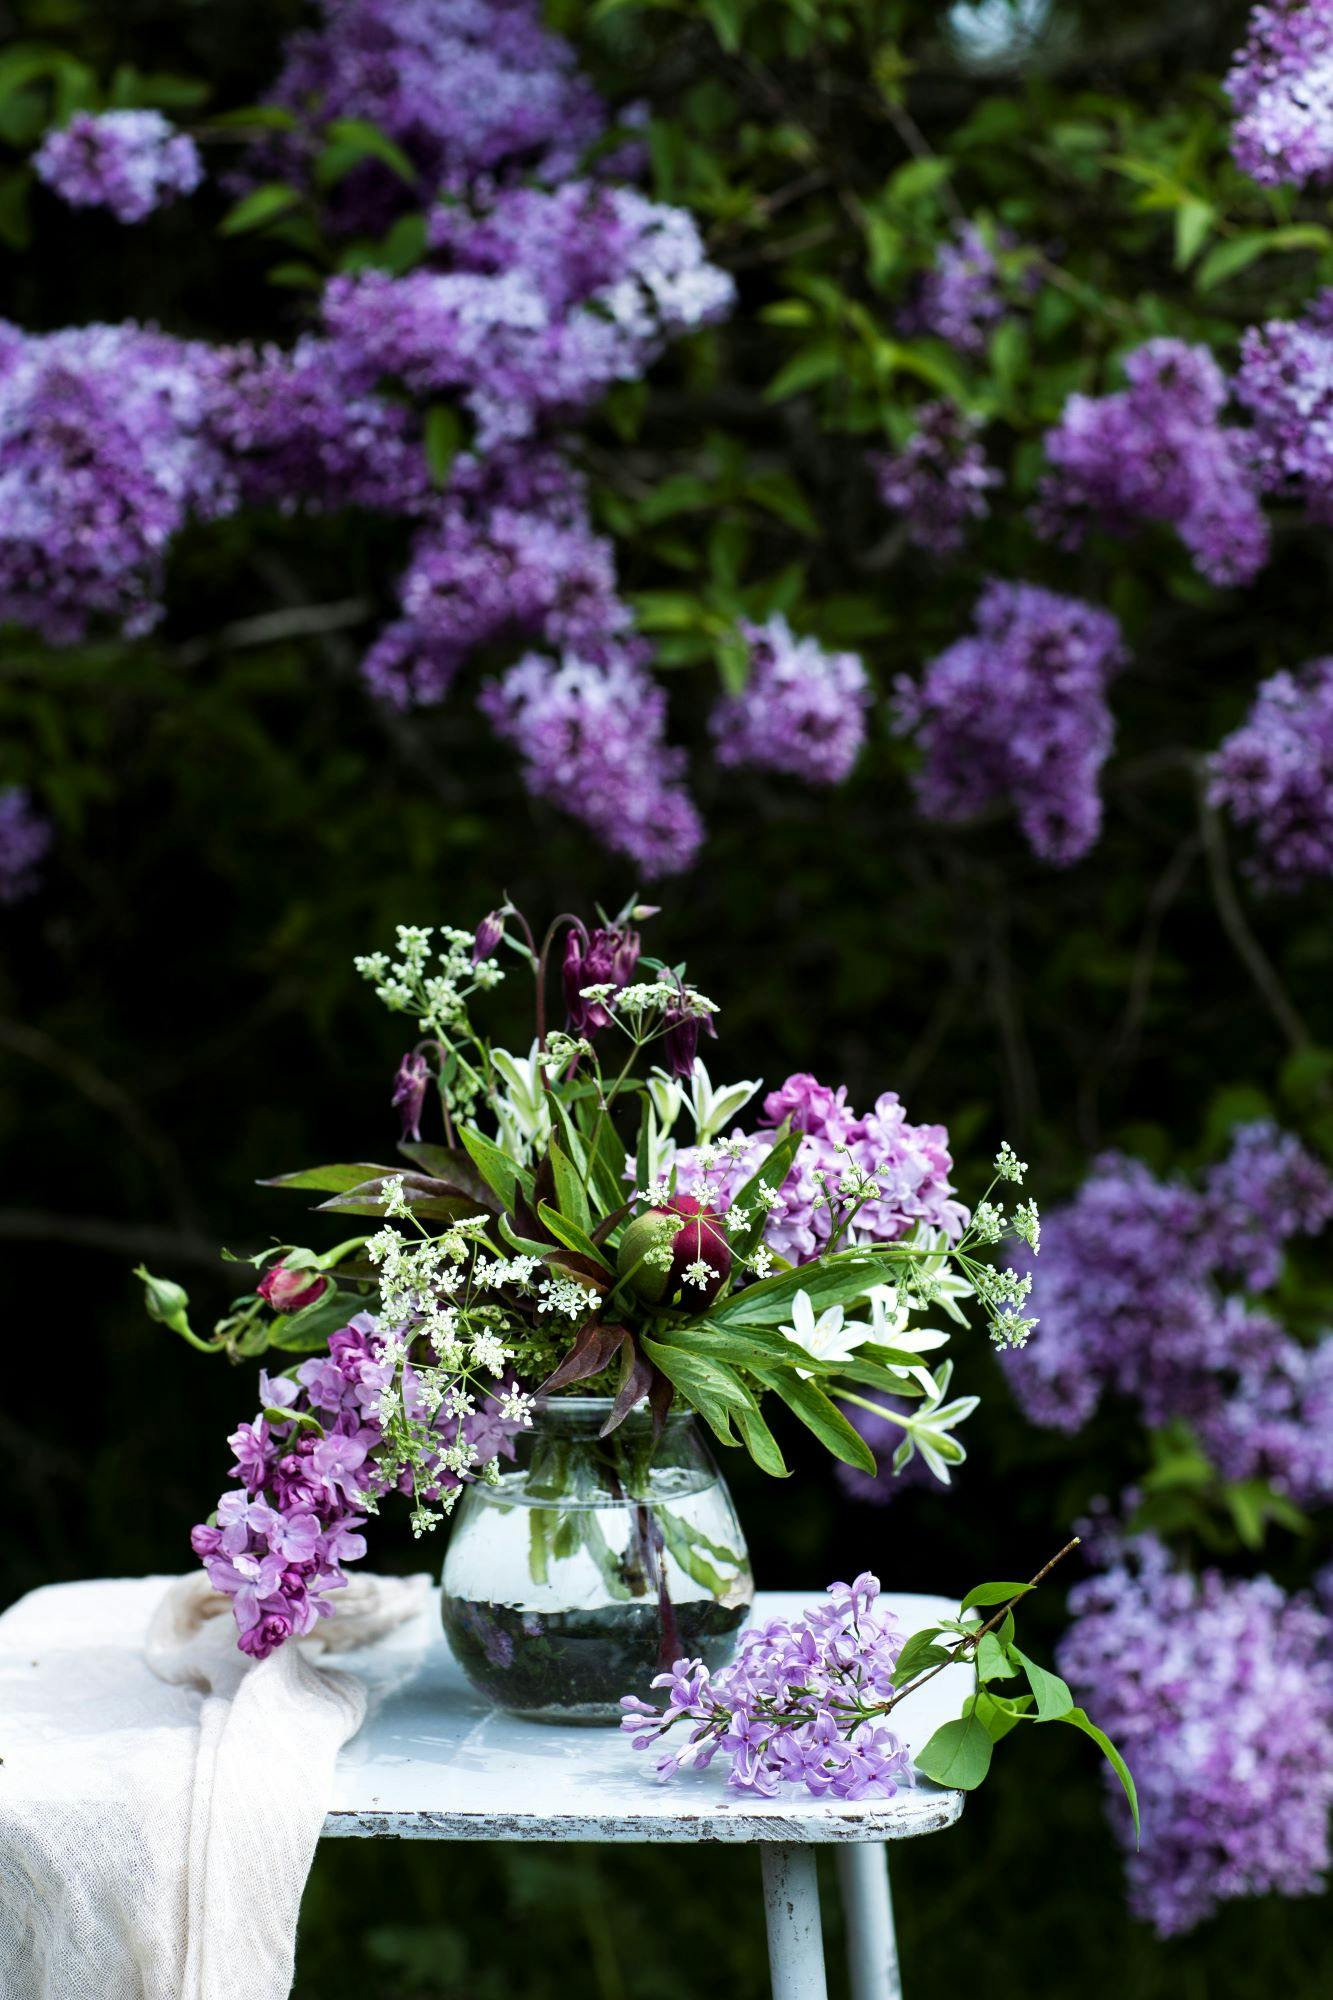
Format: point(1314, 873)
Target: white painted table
point(435, 1762)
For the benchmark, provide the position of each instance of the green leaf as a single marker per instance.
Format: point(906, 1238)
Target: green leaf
point(1052, 1696)
point(711, 1388)
point(307, 1332)
point(813, 365)
point(999, 1715)
point(261, 205)
point(819, 1415)
point(275, 1414)
point(442, 439)
point(330, 1180)
point(501, 1174)
point(352, 140)
point(919, 1652)
point(1229, 257)
point(772, 1169)
point(573, 1202)
point(992, 1661)
point(994, 1593)
point(1194, 219)
point(958, 1754)
point(761, 1443)
point(1078, 1718)
point(570, 1234)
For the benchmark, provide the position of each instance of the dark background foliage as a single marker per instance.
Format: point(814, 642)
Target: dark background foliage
point(235, 819)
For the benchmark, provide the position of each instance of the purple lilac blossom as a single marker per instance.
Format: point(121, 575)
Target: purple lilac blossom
point(1219, 1694)
point(1281, 86)
point(1285, 384)
point(471, 90)
point(1017, 712)
point(1128, 1294)
point(802, 711)
point(130, 162)
point(25, 837)
point(757, 1712)
point(280, 1542)
point(550, 298)
point(960, 299)
point(592, 737)
point(912, 1163)
point(1157, 451)
point(104, 455)
point(1274, 775)
point(939, 480)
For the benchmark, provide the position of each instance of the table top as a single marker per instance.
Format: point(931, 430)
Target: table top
point(435, 1761)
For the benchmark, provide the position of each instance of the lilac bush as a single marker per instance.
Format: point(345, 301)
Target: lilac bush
point(1274, 775)
point(1281, 88)
point(939, 481)
point(1157, 451)
point(1017, 713)
point(25, 838)
point(130, 162)
point(1220, 1694)
point(801, 712)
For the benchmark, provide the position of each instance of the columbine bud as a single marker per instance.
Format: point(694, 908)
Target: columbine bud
point(681, 1041)
point(489, 933)
point(287, 1291)
point(661, 1246)
point(410, 1085)
point(604, 957)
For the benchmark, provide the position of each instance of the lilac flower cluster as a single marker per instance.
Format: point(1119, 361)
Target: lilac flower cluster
point(960, 298)
point(131, 162)
point(25, 836)
point(1281, 85)
point(1219, 1693)
point(1157, 451)
point(551, 297)
point(939, 480)
point(802, 711)
point(104, 453)
point(1129, 1295)
point(1274, 775)
point(591, 734)
point(1017, 711)
point(469, 89)
point(796, 1707)
point(911, 1162)
point(278, 1545)
point(1285, 383)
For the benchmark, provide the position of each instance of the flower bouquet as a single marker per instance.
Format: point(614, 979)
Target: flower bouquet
point(555, 1289)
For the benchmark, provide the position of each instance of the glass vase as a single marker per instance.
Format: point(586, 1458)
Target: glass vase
point(594, 1564)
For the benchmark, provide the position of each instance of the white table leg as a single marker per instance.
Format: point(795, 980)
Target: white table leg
point(791, 1911)
point(872, 1947)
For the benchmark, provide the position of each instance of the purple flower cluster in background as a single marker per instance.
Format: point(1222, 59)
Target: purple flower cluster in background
point(279, 1543)
point(1219, 1694)
point(939, 480)
point(1281, 85)
point(104, 455)
point(960, 299)
point(1274, 775)
point(911, 1162)
point(790, 1709)
point(802, 711)
point(591, 734)
point(130, 162)
point(1157, 451)
point(1017, 712)
point(1129, 1293)
point(1285, 383)
point(25, 837)
point(469, 89)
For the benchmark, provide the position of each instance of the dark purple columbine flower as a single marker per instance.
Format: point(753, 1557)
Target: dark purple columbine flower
point(489, 933)
point(410, 1085)
point(606, 956)
point(287, 1291)
point(681, 1042)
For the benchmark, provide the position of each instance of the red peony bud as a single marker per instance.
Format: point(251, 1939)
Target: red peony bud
point(287, 1290)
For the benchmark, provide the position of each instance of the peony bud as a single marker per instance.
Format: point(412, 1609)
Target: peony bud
point(287, 1291)
point(660, 1246)
point(409, 1092)
point(700, 1242)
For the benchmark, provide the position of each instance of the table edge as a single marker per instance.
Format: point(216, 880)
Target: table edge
point(929, 1814)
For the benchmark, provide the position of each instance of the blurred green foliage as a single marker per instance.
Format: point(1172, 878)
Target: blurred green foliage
point(235, 819)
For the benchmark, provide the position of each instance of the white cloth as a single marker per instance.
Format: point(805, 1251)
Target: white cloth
point(160, 1796)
